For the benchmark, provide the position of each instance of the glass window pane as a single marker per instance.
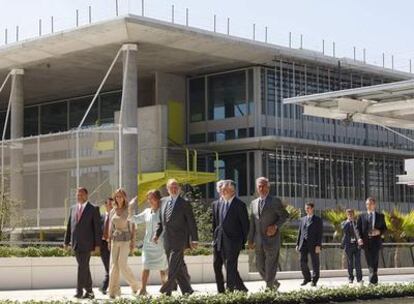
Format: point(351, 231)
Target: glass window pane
point(197, 99)
point(78, 107)
point(227, 95)
point(110, 103)
point(2, 120)
point(53, 117)
point(197, 138)
point(31, 121)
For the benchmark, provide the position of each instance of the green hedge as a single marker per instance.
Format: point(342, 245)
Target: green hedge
point(7, 252)
point(302, 296)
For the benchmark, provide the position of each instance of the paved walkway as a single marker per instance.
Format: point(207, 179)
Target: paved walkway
point(210, 288)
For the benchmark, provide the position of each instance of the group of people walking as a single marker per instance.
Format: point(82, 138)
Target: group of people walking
point(171, 228)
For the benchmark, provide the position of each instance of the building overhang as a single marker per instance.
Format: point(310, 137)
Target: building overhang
point(73, 62)
point(388, 105)
point(275, 142)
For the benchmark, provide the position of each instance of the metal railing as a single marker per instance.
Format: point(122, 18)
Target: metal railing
point(166, 10)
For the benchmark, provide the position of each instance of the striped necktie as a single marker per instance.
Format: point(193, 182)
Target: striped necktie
point(168, 210)
point(261, 206)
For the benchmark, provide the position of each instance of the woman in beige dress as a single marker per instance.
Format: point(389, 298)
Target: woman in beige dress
point(121, 243)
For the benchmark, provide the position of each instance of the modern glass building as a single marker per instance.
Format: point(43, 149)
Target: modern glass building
point(192, 89)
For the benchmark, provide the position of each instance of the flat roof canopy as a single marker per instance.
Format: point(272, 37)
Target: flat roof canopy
point(390, 105)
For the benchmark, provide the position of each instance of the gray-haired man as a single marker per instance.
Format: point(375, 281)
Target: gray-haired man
point(267, 216)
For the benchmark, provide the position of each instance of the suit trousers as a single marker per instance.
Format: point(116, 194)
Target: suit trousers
point(84, 272)
point(371, 251)
point(231, 261)
point(305, 251)
point(177, 273)
point(119, 265)
point(353, 257)
point(105, 257)
point(218, 263)
point(266, 263)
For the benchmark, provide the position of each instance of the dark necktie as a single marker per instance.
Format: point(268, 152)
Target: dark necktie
point(370, 220)
point(261, 206)
point(106, 228)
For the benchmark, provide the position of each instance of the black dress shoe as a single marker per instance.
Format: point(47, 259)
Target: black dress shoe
point(78, 296)
point(313, 284)
point(89, 295)
point(304, 282)
point(103, 291)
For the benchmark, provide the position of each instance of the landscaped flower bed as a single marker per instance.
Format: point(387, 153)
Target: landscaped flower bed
point(41, 251)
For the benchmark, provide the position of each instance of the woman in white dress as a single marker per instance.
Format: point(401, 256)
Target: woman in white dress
point(153, 254)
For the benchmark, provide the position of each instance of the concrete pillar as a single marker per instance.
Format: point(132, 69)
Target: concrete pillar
point(16, 133)
point(129, 119)
point(258, 164)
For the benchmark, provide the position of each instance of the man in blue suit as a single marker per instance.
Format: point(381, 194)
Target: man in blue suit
point(350, 244)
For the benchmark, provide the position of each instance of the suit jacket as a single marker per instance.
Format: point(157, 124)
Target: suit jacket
point(235, 226)
point(86, 234)
point(348, 233)
point(364, 228)
point(315, 232)
point(181, 228)
point(273, 213)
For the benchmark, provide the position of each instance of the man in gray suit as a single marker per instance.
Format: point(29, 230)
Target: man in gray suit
point(267, 216)
point(180, 232)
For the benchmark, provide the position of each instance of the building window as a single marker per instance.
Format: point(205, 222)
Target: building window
point(110, 103)
point(54, 117)
point(31, 121)
point(197, 99)
point(197, 138)
point(78, 107)
point(227, 95)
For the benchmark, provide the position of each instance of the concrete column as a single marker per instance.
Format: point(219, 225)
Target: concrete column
point(258, 164)
point(129, 119)
point(16, 149)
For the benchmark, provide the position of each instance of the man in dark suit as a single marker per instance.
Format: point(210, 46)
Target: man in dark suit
point(217, 256)
point(372, 227)
point(350, 237)
point(84, 234)
point(180, 232)
point(267, 216)
point(231, 226)
point(105, 253)
point(309, 242)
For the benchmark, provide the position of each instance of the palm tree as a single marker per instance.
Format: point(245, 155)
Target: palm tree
point(400, 227)
point(335, 217)
point(287, 233)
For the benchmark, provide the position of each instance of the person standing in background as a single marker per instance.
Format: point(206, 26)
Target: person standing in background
point(105, 253)
point(309, 243)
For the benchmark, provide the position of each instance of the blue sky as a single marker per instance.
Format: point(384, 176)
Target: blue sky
point(377, 25)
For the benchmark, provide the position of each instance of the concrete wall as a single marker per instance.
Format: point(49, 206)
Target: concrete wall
point(33, 273)
point(152, 135)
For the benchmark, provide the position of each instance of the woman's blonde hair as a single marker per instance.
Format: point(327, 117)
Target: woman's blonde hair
point(124, 196)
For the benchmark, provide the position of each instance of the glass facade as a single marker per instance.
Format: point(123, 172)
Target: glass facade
point(288, 79)
point(59, 116)
point(334, 177)
point(220, 97)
